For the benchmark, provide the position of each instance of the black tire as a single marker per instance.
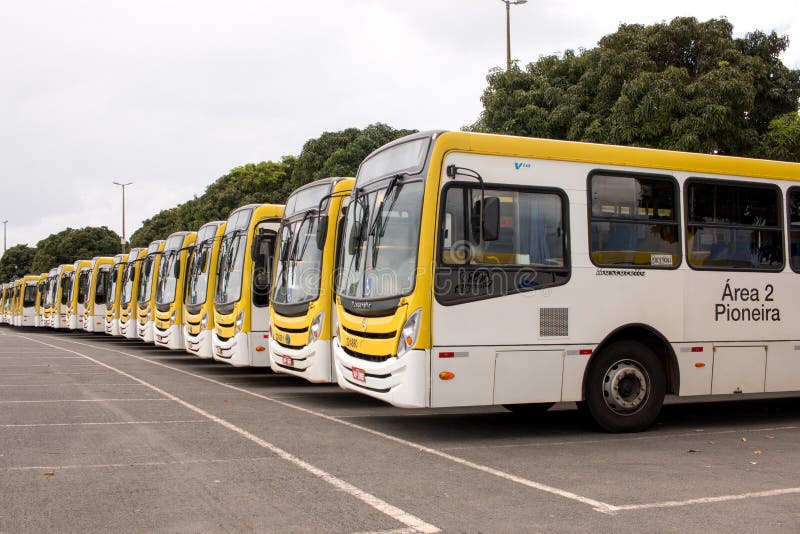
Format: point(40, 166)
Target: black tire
point(625, 387)
point(530, 409)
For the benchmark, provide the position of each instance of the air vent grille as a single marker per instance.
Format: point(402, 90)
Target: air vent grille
point(554, 322)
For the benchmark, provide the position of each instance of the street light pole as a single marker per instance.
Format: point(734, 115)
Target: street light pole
point(123, 212)
point(508, 4)
point(4, 237)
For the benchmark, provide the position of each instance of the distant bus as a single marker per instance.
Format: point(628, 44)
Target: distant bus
point(491, 270)
point(65, 276)
point(146, 302)
point(129, 293)
point(301, 309)
point(29, 289)
point(41, 295)
point(241, 297)
point(82, 273)
point(169, 290)
point(92, 294)
point(113, 291)
point(198, 301)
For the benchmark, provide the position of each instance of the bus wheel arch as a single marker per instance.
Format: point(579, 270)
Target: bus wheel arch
point(627, 377)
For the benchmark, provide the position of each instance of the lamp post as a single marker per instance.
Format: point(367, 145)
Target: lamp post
point(123, 186)
point(508, 4)
point(4, 237)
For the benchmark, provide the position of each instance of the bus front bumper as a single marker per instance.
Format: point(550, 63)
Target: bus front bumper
point(200, 345)
point(145, 331)
point(171, 338)
point(400, 381)
point(239, 350)
point(112, 327)
point(312, 362)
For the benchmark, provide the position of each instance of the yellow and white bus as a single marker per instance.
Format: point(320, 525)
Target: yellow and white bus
point(5, 303)
point(490, 270)
point(83, 272)
point(301, 306)
point(41, 297)
point(198, 302)
point(113, 291)
point(16, 302)
point(51, 298)
point(129, 293)
point(172, 275)
point(28, 291)
point(66, 274)
point(92, 294)
point(241, 297)
point(146, 302)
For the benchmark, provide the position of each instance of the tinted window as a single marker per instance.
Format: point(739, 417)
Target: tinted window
point(794, 228)
point(634, 221)
point(733, 226)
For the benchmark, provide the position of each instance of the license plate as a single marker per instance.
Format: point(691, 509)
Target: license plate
point(287, 361)
point(359, 374)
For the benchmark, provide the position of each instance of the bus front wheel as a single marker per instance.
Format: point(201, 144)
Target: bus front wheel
point(625, 387)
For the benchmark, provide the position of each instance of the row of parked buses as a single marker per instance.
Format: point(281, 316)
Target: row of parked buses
point(464, 269)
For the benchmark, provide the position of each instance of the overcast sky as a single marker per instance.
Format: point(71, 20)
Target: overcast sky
point(170, 95)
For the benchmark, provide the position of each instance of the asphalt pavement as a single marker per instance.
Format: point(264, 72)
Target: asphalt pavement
point(101, 434)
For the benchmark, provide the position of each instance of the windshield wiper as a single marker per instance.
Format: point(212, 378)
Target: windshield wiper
point(361, 199)
point(293, 254)
point(378, 226)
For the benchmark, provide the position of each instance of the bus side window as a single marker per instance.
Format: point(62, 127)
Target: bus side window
point(733, 225)
point(794, 228)
point(633, 221)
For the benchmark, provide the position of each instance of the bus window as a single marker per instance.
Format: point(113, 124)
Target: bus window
point(633, 221)
point(733, 226)
point(529, 252)
point(794, 228)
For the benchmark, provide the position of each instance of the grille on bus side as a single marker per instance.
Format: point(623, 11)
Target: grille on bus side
point(553, 322)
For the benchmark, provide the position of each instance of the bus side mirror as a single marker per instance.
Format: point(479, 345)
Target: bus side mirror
point(322, 231)
point(491, 219)
point(176, 270)
point(355, 238)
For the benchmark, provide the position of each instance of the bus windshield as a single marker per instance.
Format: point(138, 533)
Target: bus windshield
point(167, 277)
point(232, 251)
point(231, 266)
point(84, 277)
point(102, 284)
point(111, 285)
point(379, 245)
point(66, 288)
point(128, 277)
point(197, 285)
point(29, 296)
point(299, 262)
point(145, 279)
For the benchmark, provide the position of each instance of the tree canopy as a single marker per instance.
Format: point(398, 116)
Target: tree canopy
point(16, 263)
point(682, 85)
point(72, 244)
point(331, 154)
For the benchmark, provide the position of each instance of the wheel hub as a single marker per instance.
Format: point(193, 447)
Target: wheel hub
point(625, 387)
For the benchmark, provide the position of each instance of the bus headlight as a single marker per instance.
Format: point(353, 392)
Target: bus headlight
point(408, 335)
point(239, 321)
point(204, 321)
point(316, 327)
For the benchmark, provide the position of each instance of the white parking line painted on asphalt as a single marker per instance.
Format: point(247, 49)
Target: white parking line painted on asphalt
point(16, 357)
point(707, 500)
point(77, 400)
point(104, 423)
point(378, 504)
point(63, 384)
point(134, 464)
point(595, 504)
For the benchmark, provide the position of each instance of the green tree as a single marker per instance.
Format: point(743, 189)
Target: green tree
point(331, 154)
point(16, 263)
point(265, 182)
point(72, 244)
point(682, 85)
point(782, 140)
point(340, 153)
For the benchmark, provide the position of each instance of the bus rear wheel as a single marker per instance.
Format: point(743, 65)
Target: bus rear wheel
point(625, 387)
